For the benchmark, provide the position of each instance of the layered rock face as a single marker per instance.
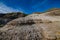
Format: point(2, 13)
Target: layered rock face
point(45, 26)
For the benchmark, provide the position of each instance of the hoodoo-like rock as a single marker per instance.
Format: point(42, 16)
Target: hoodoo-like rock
point(45, 26)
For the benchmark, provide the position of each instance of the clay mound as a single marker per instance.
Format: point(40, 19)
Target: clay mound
point(53, 12)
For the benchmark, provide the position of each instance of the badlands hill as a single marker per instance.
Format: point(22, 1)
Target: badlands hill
point(43, 26)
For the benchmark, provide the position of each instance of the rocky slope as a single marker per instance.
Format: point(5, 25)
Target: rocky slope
point(45, 26)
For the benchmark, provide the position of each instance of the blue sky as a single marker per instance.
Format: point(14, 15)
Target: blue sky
point(27, 6)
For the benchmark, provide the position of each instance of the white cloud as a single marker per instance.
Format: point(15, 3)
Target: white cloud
point(6, 9)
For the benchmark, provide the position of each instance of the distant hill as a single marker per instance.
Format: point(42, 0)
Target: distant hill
point(53, 9)
point(6, 17)
point(53, 12)
point(13, 14)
